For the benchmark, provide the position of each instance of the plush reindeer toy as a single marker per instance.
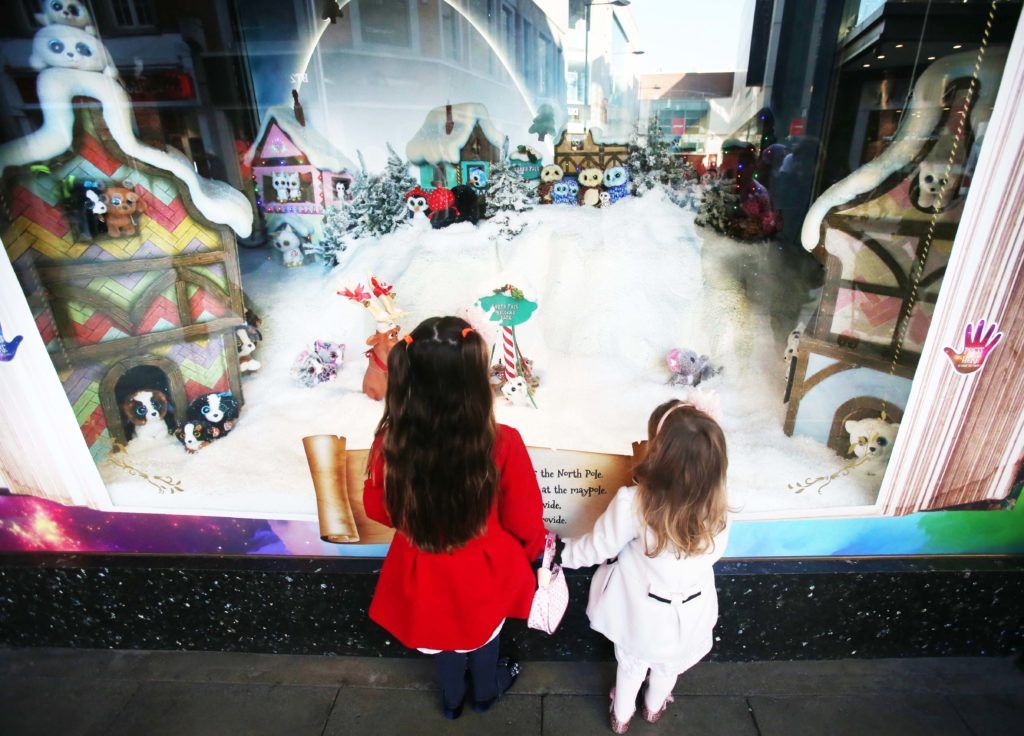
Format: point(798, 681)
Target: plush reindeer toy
point(381, 304)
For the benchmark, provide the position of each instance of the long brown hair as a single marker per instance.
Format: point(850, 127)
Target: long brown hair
point(681, 481)
point(438, 435)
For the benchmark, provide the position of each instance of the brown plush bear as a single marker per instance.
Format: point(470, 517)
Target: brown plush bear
point(123, 204)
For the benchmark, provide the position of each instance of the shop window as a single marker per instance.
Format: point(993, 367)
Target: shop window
point(797, 249)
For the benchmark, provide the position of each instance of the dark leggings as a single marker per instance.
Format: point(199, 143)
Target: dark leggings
point(483, 672)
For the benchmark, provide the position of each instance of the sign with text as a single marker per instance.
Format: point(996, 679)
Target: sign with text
point(576, 487)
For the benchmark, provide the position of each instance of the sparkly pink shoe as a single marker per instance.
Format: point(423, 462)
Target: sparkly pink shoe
point(617, 725)
point(652, 717)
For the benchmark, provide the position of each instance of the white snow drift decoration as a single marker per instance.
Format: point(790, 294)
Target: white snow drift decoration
point(919, 123)
point(56, 88)
point(432, 145)
point(321, 152)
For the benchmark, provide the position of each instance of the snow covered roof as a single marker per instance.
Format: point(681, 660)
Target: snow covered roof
point(320, 151)
point(56, 87)
point(432, 145)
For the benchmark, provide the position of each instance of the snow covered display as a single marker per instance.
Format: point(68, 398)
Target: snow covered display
point(885, 236)
point(297, 174)
point(152, 303)
point(454, 142)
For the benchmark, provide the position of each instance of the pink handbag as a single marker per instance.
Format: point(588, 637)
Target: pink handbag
point(552, 596)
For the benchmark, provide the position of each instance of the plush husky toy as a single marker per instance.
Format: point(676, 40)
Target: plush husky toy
point(220, 411)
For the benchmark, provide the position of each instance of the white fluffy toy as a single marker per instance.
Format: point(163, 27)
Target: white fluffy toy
point(517, 392)
point(872, 438)
point(66, 13)
point(67, 47)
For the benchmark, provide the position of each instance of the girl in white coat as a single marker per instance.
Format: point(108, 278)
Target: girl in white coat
point(654, 592)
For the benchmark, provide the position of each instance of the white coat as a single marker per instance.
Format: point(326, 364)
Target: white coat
point(621, 605)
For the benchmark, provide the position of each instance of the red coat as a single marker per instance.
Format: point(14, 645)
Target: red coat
point(456, 600)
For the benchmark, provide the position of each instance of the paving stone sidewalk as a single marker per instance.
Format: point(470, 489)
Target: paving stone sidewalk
point(110, 693)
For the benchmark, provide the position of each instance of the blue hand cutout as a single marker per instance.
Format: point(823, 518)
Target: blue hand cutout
point(8, 349)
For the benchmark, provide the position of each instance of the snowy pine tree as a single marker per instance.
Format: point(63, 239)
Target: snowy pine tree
point(507, 191)
point(720, 207)
point(652, 162)
point(378, 200)
point(334, 236)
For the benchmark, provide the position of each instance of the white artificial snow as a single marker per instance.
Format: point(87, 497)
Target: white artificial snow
point(320, 152)
point(617, 288)
point(56, 88)
point(432, 145)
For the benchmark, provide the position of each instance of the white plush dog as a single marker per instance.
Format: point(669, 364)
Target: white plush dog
point(517, 392)
point(872, 438)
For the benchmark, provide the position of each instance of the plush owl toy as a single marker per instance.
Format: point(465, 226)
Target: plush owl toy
point(565, 191)
point(616, 182)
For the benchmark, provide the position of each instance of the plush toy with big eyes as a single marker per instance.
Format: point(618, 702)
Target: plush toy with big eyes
point(195, 435)
point(67, 47)
point(416, 206)
point(616, 182)
point(590, 187)
point(66, 13)
point(549, 176)
point(565, 191)
point(122, 205)
point(220, 410)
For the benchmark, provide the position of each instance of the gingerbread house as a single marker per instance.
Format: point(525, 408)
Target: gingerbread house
point(156, 308)
point(455, 145)
point(577, 151)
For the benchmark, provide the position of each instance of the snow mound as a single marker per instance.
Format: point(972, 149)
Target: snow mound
point(320, 151)
point(432, 145)
point(219, 202)
point(617, 288)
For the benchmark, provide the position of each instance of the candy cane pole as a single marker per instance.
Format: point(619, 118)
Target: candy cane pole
point(510, 353)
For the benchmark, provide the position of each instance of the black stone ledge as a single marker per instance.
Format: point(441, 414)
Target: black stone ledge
point(821, 608)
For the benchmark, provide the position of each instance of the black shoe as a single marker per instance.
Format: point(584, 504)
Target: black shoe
point(451, 713)
point(506, 679)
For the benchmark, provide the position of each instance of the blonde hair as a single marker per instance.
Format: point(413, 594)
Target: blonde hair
point(681, 480)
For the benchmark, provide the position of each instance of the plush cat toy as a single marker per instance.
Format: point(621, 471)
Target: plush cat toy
point(289, 243)
point(332, 355)
point(871, 438)
point(279, 180)
point(688, 368)
point(616, 182)
point(294, 193)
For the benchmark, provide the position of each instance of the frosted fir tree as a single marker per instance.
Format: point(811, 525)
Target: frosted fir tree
point(378, 200)
point(652, 162)
point(507, 191)
point(719, 208)
point(334, 236)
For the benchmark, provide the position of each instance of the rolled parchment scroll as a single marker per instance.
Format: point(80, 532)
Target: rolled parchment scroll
point(328, 464)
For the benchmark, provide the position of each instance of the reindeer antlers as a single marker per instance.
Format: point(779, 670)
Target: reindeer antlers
point(384, 293)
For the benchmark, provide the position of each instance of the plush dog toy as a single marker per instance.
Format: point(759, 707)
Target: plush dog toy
point(122, 205)
point(147, 413)
point(517, 392)
point(219, 410)
point(195, 435)
point(246, 338)
point(871, 438)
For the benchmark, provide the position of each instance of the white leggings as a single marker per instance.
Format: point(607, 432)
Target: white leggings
point(629, 678)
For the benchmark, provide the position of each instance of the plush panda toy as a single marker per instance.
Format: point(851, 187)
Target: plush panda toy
point(616, 182)
point(590, 187)
point(565, 191)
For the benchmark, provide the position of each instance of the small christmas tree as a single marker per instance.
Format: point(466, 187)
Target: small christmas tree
point(544, 123)
point(720, 207)
point(334, 236)
point(507, 191)
point(378, 200)
point(652, 162)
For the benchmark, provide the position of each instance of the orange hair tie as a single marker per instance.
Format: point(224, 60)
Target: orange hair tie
point(407, 339)
point(466, 331)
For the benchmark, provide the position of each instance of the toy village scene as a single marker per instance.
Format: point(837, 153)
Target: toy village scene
point(214, 286)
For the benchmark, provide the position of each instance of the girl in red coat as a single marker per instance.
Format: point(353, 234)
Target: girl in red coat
point(461, 493)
